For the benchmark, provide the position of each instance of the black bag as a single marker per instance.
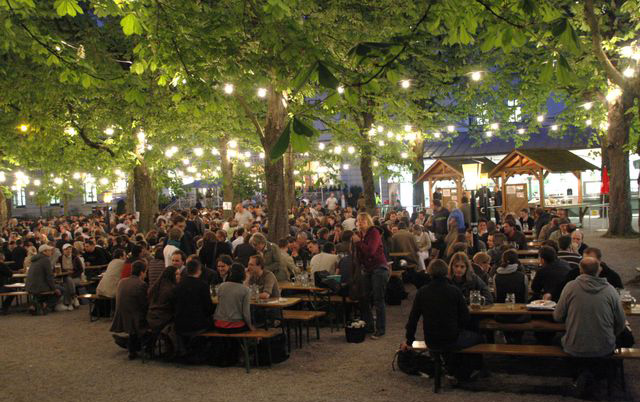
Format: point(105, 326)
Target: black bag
point(322, 279)
point(625, 339)
point(414, 363)
point(395, 291)
point(279, 352)
point(355, 335)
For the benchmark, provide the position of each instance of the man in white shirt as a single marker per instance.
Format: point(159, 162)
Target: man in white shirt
point(332, 202)
point(349, 222)
point(238, 240)
point(243, 217)
point(173, 244)
point(327, 260)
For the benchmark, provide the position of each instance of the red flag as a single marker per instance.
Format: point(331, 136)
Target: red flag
point(604, 189)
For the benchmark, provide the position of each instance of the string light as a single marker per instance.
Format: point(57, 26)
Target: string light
point(198, 151)
point(321, 146)
point(191, 169)
point(407, 127)
point(380, 129)
point(521, 131)
point(405, 84)
point(372, 132)
point(398, 137)
point(228, 89)
point(261, 155)
point(215, 151)
point(337, 150)
point(389, 134)
point(31, 193)
point(588, 122)
point(554, 127)
point(231, 154)
point(626, 51)
point(540, 118)
point(629, 72)
point(436, 134)
point(77, 176)
point(351, 150)
point(24, 128)
point(340, 89)
point(614, 93)
point(451, 129)
point(108, 131)
point(185, 161)
point(381, 143)
point(476, 75)
point(247, 164)
point(57, 181)
point(262, 92)
point(247, 154)
point(375, 163)
point(411, 137)
point(37, 182)
point(233, 144)
point(489, 134)
point(494, 126)
point(104, 181)
point(345, 166)
point(404, 155)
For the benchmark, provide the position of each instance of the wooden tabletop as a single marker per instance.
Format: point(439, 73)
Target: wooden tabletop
point(299, 287)
point(527, 252)
point(19, 275)
point(529, 261)
point(283, 302)
point(15, 285)
point(96, 266)
point(505, 309)
point(399, 254)
point(22, 276)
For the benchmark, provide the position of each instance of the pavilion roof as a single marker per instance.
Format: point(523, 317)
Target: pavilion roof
point(451, 168)
point(523, 161)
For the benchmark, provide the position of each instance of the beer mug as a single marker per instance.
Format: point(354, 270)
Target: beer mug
point(476, 300)
point(628, 301)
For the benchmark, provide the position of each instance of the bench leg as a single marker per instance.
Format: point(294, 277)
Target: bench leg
point(289, 336)
point(269, 351)
point(245, 350)
point(307, 325)
point(317, 328)
point(300, 333)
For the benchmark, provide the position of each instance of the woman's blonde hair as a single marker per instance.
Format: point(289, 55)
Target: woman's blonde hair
point(366, 217)
point(460, 257)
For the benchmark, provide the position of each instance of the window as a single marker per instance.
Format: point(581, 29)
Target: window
point(482, 119)
point(516, 111)
point(90, 193)
point(55, 200)
point(19, 198)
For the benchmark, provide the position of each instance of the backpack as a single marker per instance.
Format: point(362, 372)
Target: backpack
point(395, 291)
point(414, 363)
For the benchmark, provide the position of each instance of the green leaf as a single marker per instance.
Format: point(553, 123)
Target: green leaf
point(131, 25)
point(518, 39)
point(302, 78)
point(351, 96)
point(162, 80)
point(331, 100)
point(558, 27)
point(67, 7)
point(301, 127)
point(86, 81)
point(570, 39)
point(300, 143)
point(563, 71)
point(393, 76)
point(280, 147)
point(137, 67)
point(547, 72)
point(326, 77)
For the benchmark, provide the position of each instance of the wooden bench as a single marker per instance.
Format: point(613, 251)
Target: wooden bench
point(256, 335)
point(300, 317)
point(533, 325)
point(525, 351)
point(95, 308)
point(17, 294)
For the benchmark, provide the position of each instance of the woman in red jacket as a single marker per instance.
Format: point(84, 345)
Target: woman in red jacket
point(375, 273)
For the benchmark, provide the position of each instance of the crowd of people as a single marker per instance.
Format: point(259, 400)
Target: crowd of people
point(166, 276)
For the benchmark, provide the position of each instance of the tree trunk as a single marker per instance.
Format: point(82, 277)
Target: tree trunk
point(130, 207)
point(366, 170)
point(4, 210)
point(619, 188)
point(289, 179)
point(273, 170)
point(65, 204)
point(418, 168)
point(144, 195)
point(227, 176)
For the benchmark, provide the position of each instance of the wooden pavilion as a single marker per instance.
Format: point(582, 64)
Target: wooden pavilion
point(451, 169)
point(539, 163)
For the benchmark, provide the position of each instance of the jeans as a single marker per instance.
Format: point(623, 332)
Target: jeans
point(374, 285)
point(68, 290)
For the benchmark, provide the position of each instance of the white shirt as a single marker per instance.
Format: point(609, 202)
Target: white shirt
point(243, 217)
point(167, 252)
point(237, 242)
point(324, 262)
point(332, 203)
point(349, 224)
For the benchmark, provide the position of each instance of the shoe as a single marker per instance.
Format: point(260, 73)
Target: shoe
point(451, 380)
point(61, 307)
point(121, 341)
point(76, 302)
point(70, 307)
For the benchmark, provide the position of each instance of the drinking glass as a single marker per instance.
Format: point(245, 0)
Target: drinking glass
point(510, 300)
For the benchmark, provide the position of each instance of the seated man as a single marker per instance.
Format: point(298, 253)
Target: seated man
point(265, 280)
point(444, 315)
point(40, 280)
point(5, 278)
point(94, 255)
point(404, 241)
point(548, 282)
point(327, 260)
point(514, 236)
point(192, 300)
point(593, 315)
point(605, 272)
point(566, 254)
point(131, 308)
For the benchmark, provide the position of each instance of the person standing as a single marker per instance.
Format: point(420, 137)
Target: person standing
point(375, 273)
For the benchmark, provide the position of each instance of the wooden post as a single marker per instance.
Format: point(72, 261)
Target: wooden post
point(504, 191)
point(541, 176)
point(578, 176)
point(430, 193)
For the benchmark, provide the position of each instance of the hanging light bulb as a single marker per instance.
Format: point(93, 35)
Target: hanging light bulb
point(71, 131)
point(451, 128)
point(476, 75)
point(405, 84)
point(404, 155)
point(588, 122)
point(495, 126)
point(340, 89)
point(489, 134)
point(540, 118)
point(372, 131)
point(23, 128)
point(228, 89)
point(261, 155)
point(247, 164)
point(337, 150)
point(321, 146)
point(521, 131)
point(77, 176)
point(104, 181)
point(351, 150)
point(247, 154)
point(587, 106)
point(436, 134)
point(37, 182)
point(381, 143)
point(185, 161)
point(232, 144)
point(389, 134)
point(626, 51)
point(214, 151)
point(198, 151)
point(109, 131)
point(380, 129)
point(375, 164)
point(554, 127)
point(345, 166)
point(262, 92)
point(407, 127)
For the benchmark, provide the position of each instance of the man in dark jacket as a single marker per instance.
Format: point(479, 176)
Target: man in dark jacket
point(514, 236)
point(605, 272)
point(542, 218)
point(192, 301)
point(94, 255)
point(18, 254)
point(444, 315)
point(40, 277)
point(549, 280)
point(131, 308)
point(439, 225)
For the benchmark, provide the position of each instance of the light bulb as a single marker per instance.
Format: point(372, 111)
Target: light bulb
point(247, 164)
point(405, 84)
point(71, 131)
point(451, 129)
point(626, 51)
point(24, 128)
point(540, 118)
point(436, 134)
point(495, 126)
point(262, 92)
point(57, 180)
point(37, 182)
point(228, 89)
point(554, 127)
point(389, 134)
point(198, 151)
point(375, 163)
point(521, 131)
point(372, 131)
point(407, 127)
point(380, 129)
point(404, 155)
point(261, 155)
point(215, 151)
point(108, 131)
point(587, 106)
point(340, 89)
point(351, 150)
point(489, 134)
point(381, 143)
point(476, 75)
point(345, 166)
point(588, 122)
point(104, 181)
point(233, 144)
point(629, 72)
point(321, 146)
point(185, 161)
point(247, 154)
point(231, 153)
point(77, 176)
point(337, 150)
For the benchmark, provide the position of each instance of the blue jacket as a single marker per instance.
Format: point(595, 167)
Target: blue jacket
point(459, 217)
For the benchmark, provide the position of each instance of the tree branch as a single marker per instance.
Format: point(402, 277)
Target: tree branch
point(84, 137)
point(250, 114)
point(498, 16)
point(596, 39)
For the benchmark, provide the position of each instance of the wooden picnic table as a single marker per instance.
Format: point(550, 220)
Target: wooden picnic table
point(96, 266)
point(299, 287)
point(527, 253)
point(282, 302)
point(520, 308)
point(23, 276)
point(19, 285)
point(399, 254)
point(533, 262)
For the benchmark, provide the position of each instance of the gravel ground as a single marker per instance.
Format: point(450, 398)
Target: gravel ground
point(63, 356)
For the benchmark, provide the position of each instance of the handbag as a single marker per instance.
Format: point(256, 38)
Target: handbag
point(413, 362)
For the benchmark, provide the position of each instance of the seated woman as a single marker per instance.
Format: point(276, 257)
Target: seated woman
point(462, 276)
point(161, 308)
point(424, 245)
point(233, 315)
point(510, 278)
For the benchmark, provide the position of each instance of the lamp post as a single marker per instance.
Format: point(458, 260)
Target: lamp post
point(472, 179)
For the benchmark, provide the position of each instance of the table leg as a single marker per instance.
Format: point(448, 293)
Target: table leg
point(245, 350)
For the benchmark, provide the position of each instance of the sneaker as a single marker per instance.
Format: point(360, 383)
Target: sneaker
point(70, 307)
point(76, 302)
point(61, 307)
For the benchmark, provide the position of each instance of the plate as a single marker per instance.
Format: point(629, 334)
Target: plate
point(541, 305)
